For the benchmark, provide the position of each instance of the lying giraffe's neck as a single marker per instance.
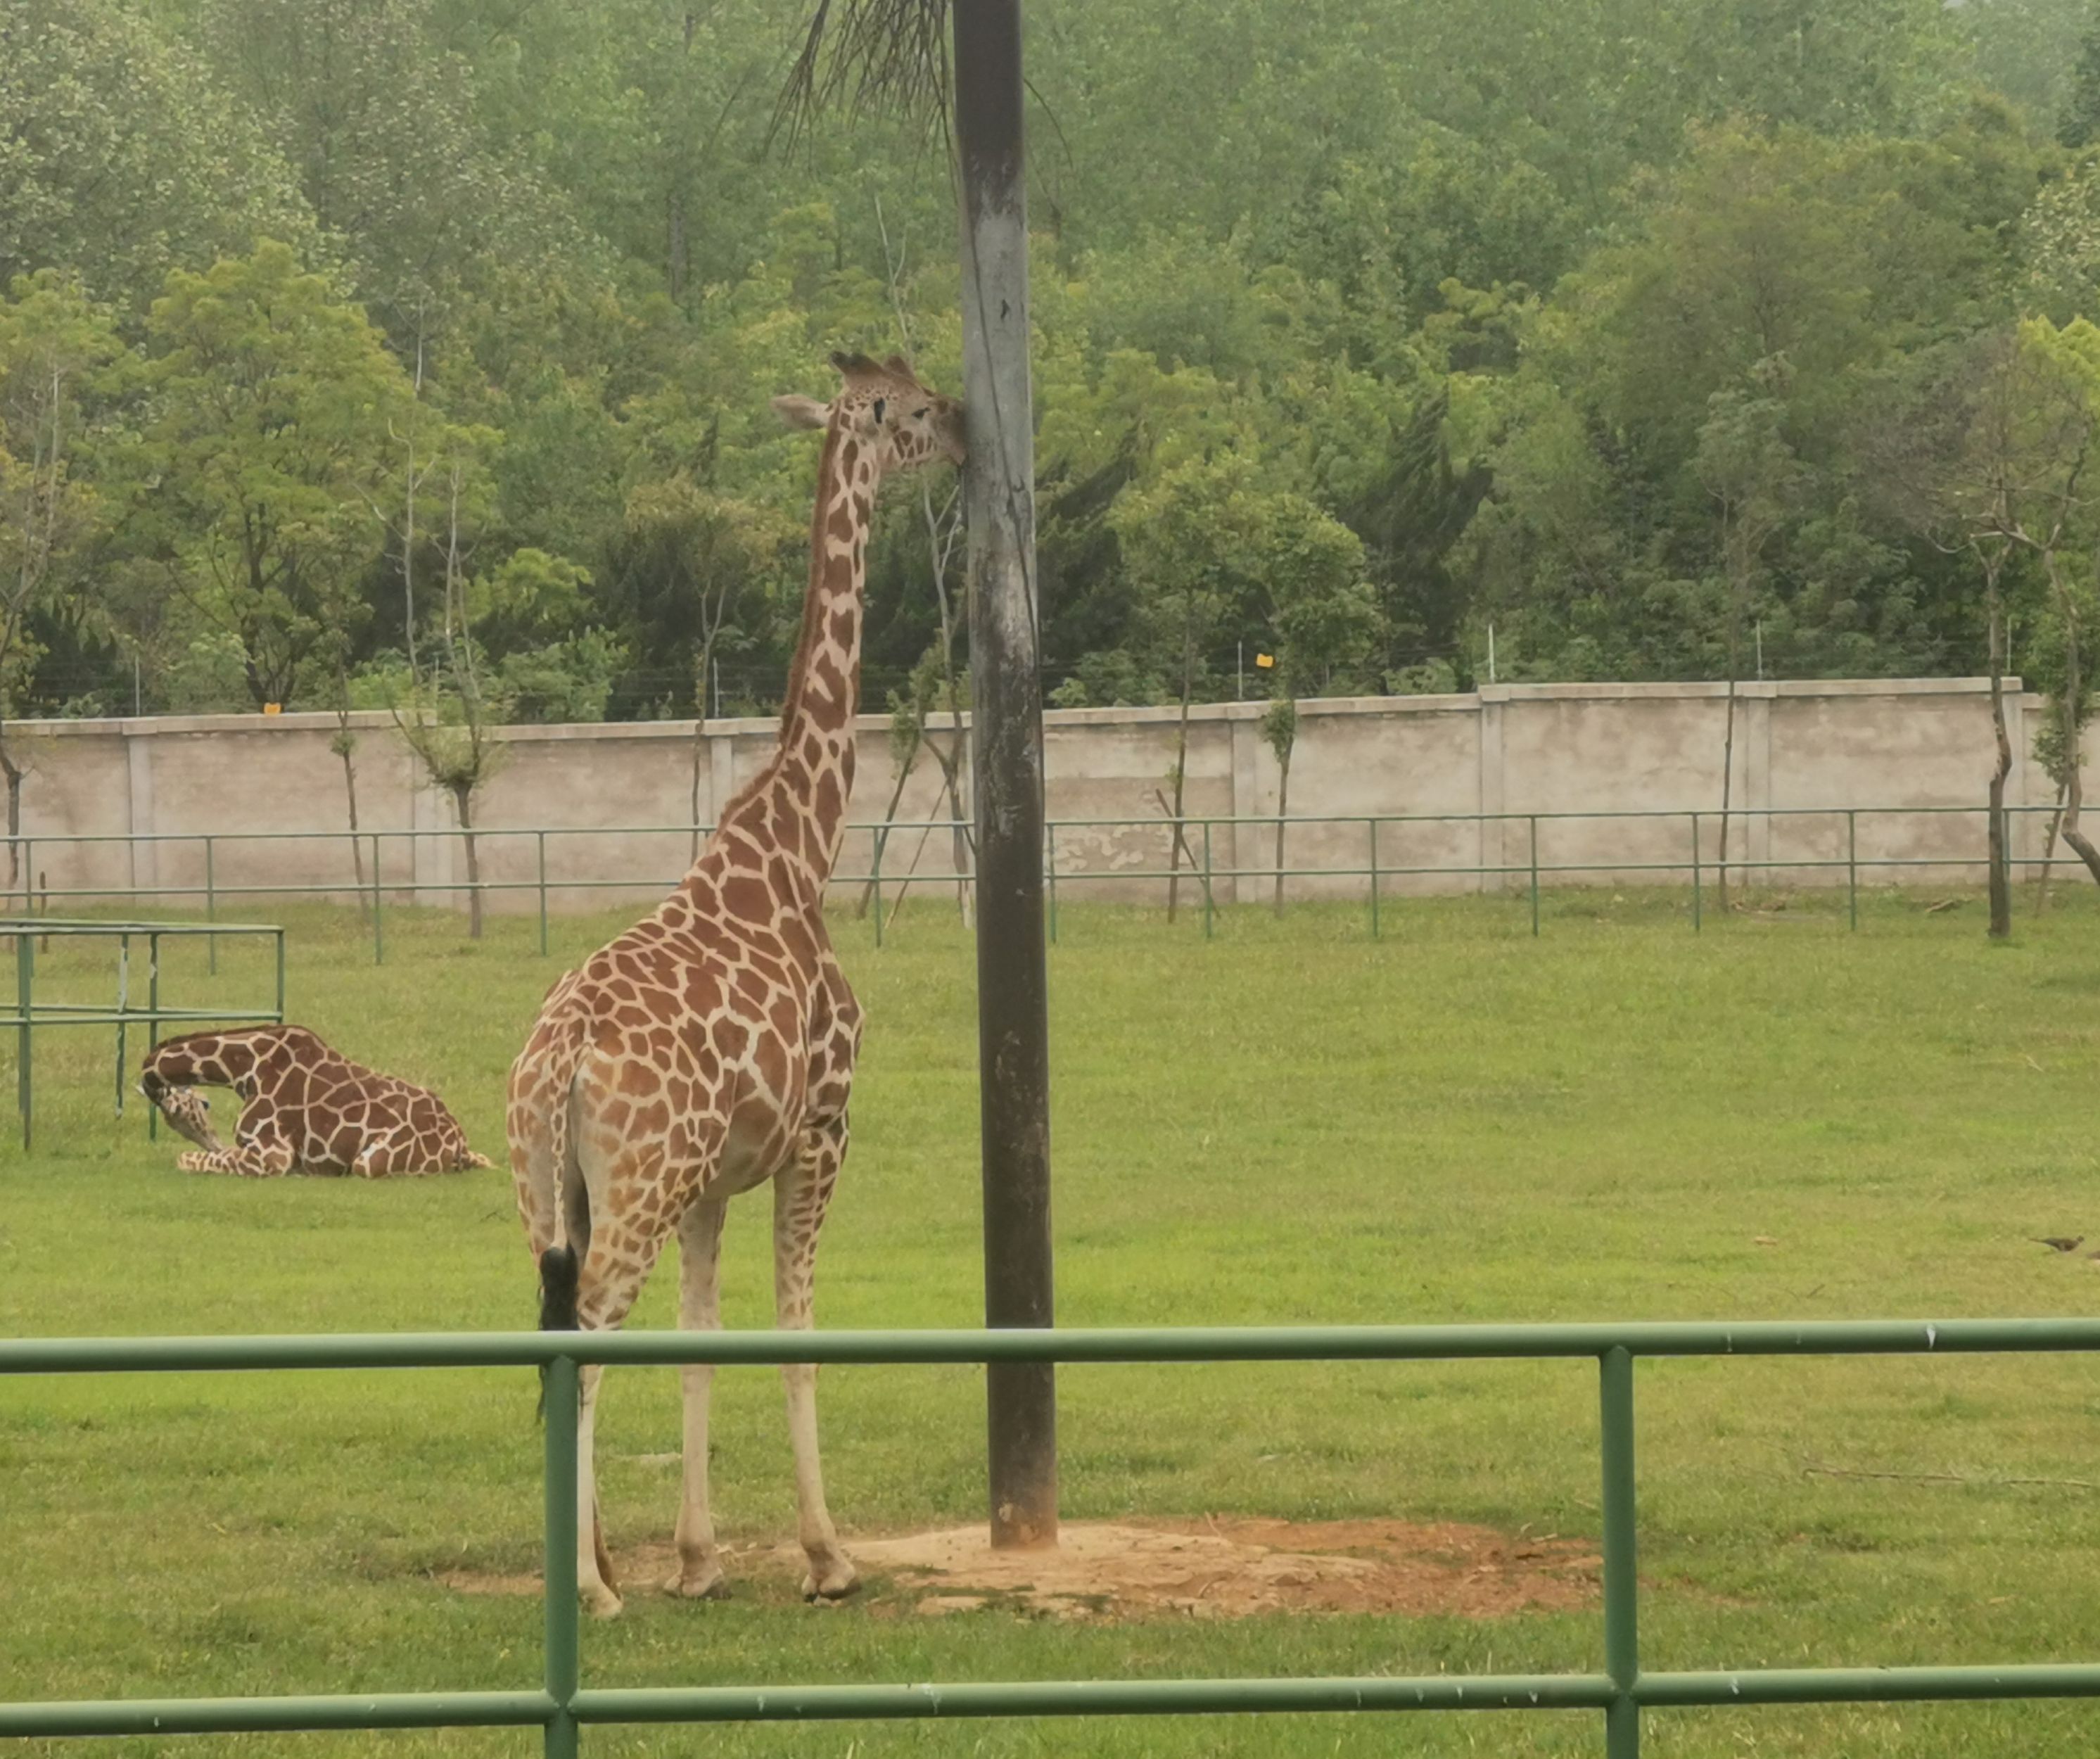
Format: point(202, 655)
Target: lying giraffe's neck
point(210, 1062)
point(797, 803)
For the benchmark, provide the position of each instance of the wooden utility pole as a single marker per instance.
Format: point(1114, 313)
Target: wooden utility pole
point(1006, 741)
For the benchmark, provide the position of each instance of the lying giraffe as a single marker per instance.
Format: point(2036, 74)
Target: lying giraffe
point(711, 1047)
point(306, 1109)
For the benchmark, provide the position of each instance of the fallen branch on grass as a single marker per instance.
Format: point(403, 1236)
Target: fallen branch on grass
point(1811, 1469)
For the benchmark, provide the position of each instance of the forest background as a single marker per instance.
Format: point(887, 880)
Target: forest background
point(358, 353)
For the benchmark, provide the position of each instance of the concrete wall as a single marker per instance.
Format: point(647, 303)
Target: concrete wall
point(152, 788)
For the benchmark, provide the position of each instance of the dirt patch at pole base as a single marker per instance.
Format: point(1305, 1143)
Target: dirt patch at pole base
point(1223, 1568)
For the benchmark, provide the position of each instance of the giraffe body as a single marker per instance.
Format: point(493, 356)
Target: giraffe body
point(710, 1048)
point(305, 1108)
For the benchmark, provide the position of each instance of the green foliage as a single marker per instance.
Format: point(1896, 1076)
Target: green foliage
point(1467, 289)
point(121, 158)
point(61, 366)
point(275, 404)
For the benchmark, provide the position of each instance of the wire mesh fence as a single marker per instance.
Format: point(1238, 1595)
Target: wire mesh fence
point(1206, 864)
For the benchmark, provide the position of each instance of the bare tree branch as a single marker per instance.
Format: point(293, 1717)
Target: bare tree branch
point(865, 56)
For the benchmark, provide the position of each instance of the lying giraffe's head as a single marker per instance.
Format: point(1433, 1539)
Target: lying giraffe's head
point(190, 1113)
point(884, 405)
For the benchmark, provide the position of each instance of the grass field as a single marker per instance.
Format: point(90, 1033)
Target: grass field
point(1774, 1118)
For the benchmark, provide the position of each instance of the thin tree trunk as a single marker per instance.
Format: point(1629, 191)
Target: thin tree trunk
point(2000, 872)
point(1180, 842)
point(2074, 788)
point(463, 803)
point(1282, 811)
point(889, 815)
point(2048, 851)
point(1180, 773)
point(356, 847)
point(1727, 778)
point(960, 853)
point(701, 704)
point(15, 773)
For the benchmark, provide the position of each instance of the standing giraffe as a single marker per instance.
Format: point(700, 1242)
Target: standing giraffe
point(711, 1047)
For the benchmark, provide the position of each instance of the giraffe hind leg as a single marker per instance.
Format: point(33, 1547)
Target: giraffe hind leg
point(699, 1573)
point(800, 1195)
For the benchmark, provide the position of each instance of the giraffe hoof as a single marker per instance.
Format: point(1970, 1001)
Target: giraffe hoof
point(709, 1584)
point(601, 1602)
point(836, 1579)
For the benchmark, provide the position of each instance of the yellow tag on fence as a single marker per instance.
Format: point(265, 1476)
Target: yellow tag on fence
point(1265, 659)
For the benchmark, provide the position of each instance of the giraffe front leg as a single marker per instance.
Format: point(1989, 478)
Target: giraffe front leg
point(699, 1575)
point(800, 1194)
point(270, 1159)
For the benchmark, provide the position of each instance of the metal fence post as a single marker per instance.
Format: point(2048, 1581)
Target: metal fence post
point(378, 937)
point(875, 880)
point(1534, 876)
point(153, 1018)
point(542, 836)
point(1852, 864)
point(280, 976)
point(123, 1007)
point(1374, 825)
point(1209, 903)
point(564, 1661)
point(1615, 1401)
point(1050, 876)
point(210, 910)
point(25, 989)
point(1695, 873)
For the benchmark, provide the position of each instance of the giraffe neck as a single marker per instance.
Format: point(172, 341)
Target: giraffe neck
point(797, 803)
point(212, 1063)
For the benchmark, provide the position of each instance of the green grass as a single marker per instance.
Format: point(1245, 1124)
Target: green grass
point(1289, 1123)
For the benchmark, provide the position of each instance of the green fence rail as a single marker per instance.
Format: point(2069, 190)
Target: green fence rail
point(26, 933)
point(1190, 845)
point(563, 1705)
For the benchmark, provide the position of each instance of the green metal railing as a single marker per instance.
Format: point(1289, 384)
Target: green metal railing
point(29, 1014)
point(563, 1705)
point(1386, 863)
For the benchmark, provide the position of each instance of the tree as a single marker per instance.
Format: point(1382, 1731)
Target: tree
point(2063, 422)
point(275, 403)
point(2059, 740)
point(1950, 450)
point(57, 352)
point(1180, 539)
point(1750, 471)
point(123, 156)
point(693, 570)
point(450, 714)
point(1324, 612)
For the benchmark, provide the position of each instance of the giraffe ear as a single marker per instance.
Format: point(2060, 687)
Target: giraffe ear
point(901, 367)
point(802, 412)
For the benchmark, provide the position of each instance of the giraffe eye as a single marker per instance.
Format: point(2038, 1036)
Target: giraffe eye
point(919, 415)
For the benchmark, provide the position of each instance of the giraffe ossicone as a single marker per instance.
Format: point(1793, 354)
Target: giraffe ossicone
point(305, 1108)
point(710, 1048)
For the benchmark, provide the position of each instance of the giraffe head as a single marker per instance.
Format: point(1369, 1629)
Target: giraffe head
point(190, 1112)
point(884, 407)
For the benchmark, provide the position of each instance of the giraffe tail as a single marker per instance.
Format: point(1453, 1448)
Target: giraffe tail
point(559, 1274)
